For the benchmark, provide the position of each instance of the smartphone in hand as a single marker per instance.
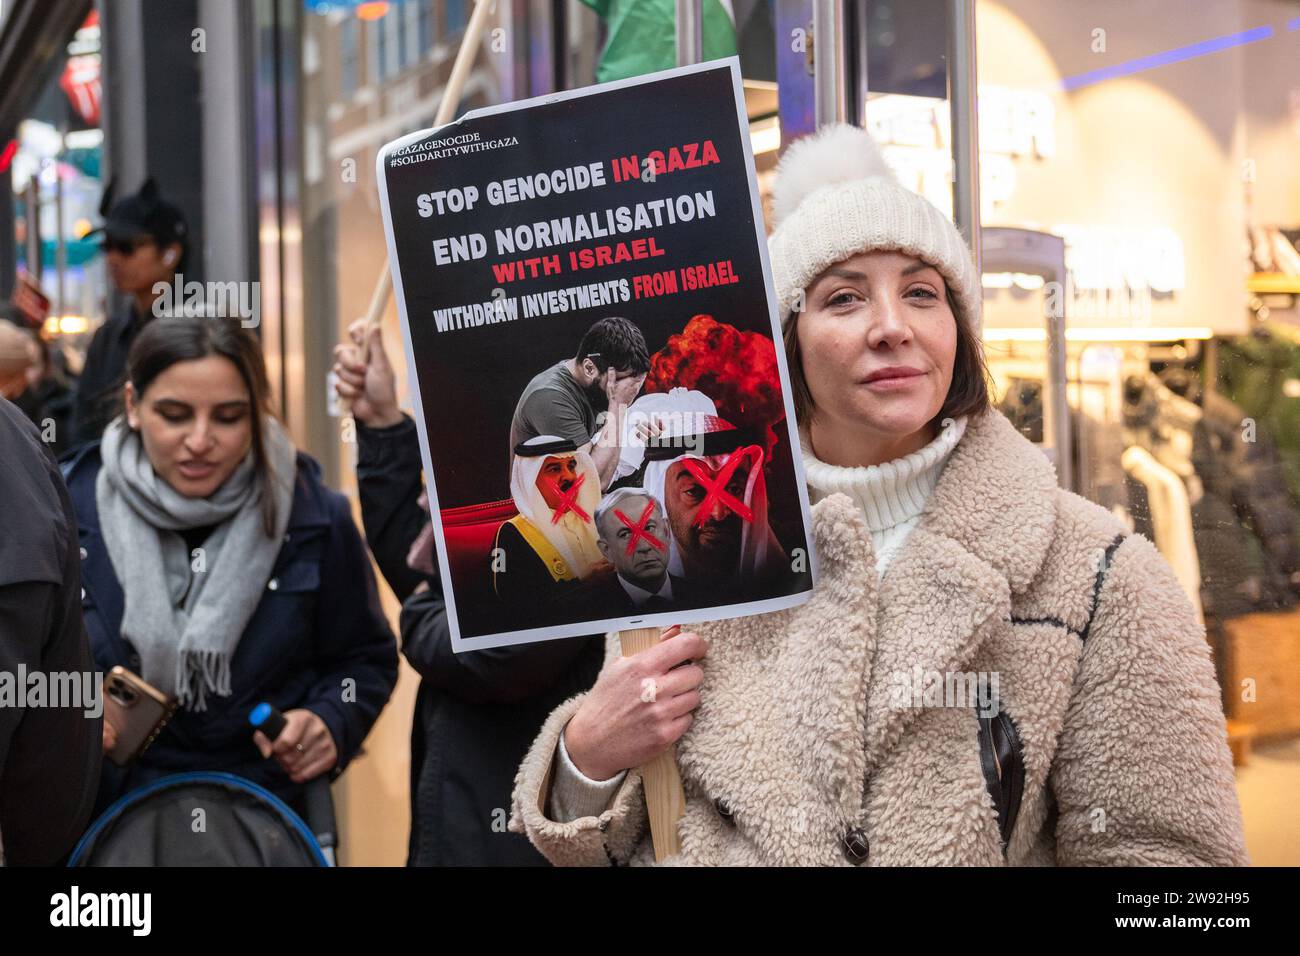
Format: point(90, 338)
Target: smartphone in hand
point(137, 710)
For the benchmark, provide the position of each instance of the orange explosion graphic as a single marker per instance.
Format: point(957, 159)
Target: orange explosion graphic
point(736, 369)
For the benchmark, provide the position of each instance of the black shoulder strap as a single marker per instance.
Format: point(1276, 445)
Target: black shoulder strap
point(1101, 577)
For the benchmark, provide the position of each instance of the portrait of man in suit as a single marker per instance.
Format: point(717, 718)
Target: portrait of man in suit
point(633, 537)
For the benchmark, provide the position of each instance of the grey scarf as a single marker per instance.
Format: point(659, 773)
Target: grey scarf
point(185, 616)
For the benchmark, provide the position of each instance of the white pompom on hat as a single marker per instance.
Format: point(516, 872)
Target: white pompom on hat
point(834, 197)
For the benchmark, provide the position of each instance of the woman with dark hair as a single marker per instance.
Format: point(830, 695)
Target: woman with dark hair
point(219, 568)
point(990, 671)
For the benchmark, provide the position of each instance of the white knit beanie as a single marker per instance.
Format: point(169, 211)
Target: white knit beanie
point(834, 198)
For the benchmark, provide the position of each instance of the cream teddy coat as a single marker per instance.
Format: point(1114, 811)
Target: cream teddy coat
point(1109, 746)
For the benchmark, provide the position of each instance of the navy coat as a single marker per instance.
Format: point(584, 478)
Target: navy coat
point(318, 640)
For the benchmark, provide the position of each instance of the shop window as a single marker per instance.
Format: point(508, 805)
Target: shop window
point(1160, 157)
point(349, 58)
point(395, 23)
point(411, 32)
point(457, 16)
point(428, 26)
point(378, 37)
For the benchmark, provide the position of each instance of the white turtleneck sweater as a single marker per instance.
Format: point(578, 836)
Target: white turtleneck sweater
point(892, 496)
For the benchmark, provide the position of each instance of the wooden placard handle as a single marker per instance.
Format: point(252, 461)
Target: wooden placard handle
point(446, 106)
point(664, 797)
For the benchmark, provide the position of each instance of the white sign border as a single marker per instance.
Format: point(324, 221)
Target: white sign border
point(585, 628)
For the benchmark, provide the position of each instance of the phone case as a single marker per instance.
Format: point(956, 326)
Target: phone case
point(137, 710)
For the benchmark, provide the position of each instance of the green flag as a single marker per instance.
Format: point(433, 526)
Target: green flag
point(642, 36)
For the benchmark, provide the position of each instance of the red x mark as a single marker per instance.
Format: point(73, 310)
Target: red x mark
point(568, 499)
point(716, 488)
point(638, 528)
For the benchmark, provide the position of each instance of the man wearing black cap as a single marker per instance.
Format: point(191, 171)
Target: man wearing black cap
point(145, 242)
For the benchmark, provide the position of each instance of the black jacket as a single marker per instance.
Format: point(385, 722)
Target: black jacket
point(98, 398)
point(477, 712)
point(49, 406)
point(49, 756)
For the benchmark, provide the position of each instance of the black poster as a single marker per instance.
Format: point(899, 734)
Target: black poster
point(601, 392)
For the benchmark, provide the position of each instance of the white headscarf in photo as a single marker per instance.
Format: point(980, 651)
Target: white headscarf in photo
point(573, 537)
point(696, 414)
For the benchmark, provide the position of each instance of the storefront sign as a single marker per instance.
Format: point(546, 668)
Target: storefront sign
point(1116, 271)
point(80, 80)
point(916, 133)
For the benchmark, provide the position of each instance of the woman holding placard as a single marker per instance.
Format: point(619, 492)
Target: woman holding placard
point(991, 670)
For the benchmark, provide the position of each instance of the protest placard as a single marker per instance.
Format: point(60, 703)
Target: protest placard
point(602, 399)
